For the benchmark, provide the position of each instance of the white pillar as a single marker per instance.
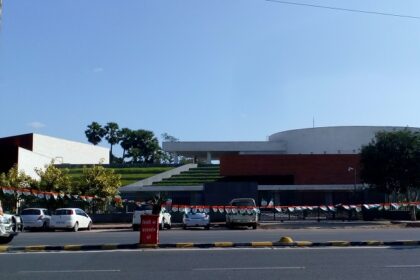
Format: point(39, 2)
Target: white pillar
point(208, 157)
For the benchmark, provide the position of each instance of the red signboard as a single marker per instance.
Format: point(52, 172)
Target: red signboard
point(149, 229)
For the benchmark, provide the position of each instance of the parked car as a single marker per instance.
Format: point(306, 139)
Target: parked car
point(70, 218)
point(164, 216)
point(8, 227)
point(242, 219)
point(35, 218)
point(197, 219)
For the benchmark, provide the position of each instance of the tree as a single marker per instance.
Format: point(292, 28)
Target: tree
point(391, 163)
point(94, 133)
point(100, 181)
point(16, 179)
point(53, 179)
point(142, 146)
point(166, 157)
point(125, 140)
point(112, 135)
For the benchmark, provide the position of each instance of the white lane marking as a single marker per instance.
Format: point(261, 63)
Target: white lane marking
point(403, 266)
point(248, 268)
point(69, 271)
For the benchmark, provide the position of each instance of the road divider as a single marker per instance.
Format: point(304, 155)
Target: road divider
point(256, 244)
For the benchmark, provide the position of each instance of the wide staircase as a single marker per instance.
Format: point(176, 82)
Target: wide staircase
point(203, 173)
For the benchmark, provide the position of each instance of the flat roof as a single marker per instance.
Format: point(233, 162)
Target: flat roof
point(200, 149)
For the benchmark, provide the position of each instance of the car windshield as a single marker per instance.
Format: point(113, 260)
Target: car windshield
point(30, 212)
point(243, 203)
point(63, 212)
point(196, 215)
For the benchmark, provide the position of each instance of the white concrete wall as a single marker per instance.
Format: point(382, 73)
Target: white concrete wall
point(28, 161)
point(65, 151)
point(330, 140)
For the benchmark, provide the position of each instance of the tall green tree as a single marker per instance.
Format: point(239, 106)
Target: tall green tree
point(125, 140)
point(112, 135)
point(144, 146)
point(391, 163)
point(94, 133)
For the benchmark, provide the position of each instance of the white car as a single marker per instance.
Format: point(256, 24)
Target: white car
point(164, 216)
point(70, 218)
point(197, 219)
point(250, 218)
point(8, 228)
point(35, 218)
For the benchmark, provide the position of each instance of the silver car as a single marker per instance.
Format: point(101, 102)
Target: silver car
point(35, 218)
point(196, 220)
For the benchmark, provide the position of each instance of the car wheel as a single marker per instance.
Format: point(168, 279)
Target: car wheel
point(135, 227)
point(168, 226)
point(207, 227)
point(254, 226)
point(89, 226)
point(6, 239)
point(184, 227)
point(76, 227)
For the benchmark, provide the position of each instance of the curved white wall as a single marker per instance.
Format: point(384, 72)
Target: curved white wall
point(330, 140)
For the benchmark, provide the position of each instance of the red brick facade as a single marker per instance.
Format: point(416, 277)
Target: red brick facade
point(306, 169)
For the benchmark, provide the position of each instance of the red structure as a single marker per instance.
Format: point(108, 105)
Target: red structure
point(303, 169)
point(149, 230)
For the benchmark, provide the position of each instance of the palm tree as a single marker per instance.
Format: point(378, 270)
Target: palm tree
point(112, 134)
point(125, 140)
point(94, 133)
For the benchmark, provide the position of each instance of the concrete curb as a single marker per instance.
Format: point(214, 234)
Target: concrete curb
point(256, 244)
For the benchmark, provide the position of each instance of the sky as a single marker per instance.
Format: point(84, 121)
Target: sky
point(215, 70)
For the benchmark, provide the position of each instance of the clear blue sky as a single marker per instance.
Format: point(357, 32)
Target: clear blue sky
point(206, 69)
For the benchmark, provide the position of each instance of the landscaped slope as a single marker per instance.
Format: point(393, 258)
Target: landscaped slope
point(193, 177)
point(129, 175)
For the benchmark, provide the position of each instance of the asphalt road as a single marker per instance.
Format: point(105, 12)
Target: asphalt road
point(214, 235)
point(296, 264)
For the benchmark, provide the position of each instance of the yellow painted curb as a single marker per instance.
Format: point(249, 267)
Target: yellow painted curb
point(339, 243)
point(3, 249)
point(34, 248)
point(262, 244)
point(72, 247)
point(109, 246)
point(223, 244)
point(184, 245)
point(373, 242)
point(304, 243)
